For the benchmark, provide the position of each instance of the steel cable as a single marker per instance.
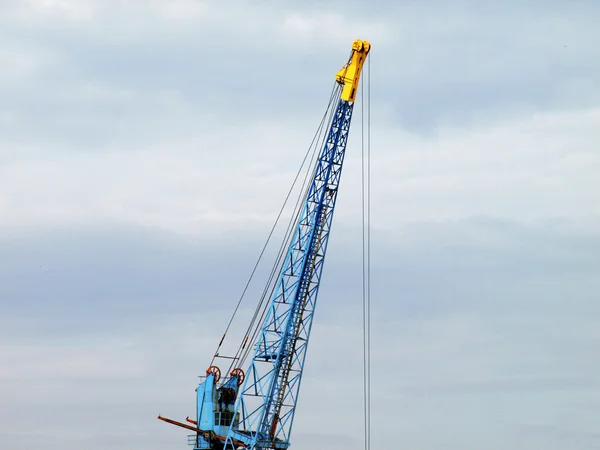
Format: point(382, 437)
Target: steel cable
point(366, 253)
point(246, 338)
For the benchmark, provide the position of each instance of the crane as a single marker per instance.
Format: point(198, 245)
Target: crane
point(255, 409)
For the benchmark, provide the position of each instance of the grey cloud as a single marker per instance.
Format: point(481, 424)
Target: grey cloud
point(112, 274)
point(484, 329)
point(420, 269)
point(445, 64)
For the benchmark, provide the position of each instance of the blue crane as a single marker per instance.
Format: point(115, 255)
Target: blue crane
point(255, 410)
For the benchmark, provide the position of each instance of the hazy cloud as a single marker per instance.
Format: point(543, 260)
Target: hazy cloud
point(145, 148)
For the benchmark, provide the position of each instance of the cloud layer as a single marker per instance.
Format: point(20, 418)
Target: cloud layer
point(145, 148)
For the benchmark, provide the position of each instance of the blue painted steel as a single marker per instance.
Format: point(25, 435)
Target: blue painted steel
point(205, 395)
point(269, 395)
point(206, 402)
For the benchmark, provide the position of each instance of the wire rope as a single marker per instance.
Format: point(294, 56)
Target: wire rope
point(246, 338)
point(270, 286)
point(366, 252)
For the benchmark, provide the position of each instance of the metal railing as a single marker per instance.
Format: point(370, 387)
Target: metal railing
point(192, 439)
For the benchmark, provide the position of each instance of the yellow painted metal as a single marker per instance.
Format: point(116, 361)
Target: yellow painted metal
point(349, 75)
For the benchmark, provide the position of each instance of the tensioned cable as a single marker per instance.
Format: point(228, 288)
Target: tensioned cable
point(366, 255)
point(270, 286)
point(364, 292)
point(314, 139)
point(369, 244)
point(246, 339)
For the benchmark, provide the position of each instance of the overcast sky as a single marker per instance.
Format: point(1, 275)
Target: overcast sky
point(146, 147)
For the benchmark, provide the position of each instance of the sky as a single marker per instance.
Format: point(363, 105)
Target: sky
point(146, 148)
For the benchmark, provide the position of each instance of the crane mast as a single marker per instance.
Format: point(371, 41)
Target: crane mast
point(255, 410)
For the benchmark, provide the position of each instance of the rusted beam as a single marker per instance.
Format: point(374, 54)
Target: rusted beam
point(179, 424)
point(198, 430)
